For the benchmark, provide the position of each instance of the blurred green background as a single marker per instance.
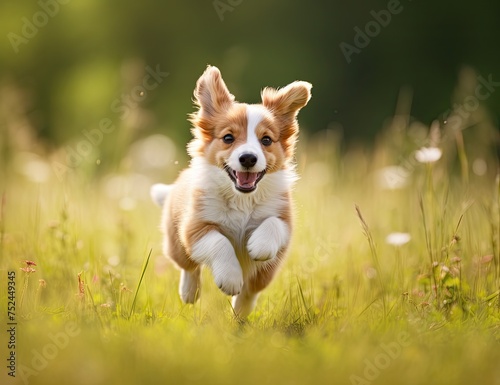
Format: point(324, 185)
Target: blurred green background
point(96, 94)
point(63, 76)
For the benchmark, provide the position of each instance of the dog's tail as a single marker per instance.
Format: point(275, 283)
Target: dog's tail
point(159, 193)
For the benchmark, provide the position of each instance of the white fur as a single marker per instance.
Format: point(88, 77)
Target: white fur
point(189, 286)
point(268, 239)
point(159, 193)
point(244, 303)
point(240, 215)
point(215, 250)
point(255, 114)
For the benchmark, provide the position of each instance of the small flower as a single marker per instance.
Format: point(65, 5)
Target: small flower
point(81, 286)
point(28, 270)
point(124, 288)
point(398, 239)
point(42, 284)
point(29, 263)
point(428, 154)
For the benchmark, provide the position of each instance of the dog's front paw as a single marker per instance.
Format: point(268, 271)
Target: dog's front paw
point(268, 239)
point(228, 277)
point(261, 248)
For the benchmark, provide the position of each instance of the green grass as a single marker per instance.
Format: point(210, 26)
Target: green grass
point(347, 308)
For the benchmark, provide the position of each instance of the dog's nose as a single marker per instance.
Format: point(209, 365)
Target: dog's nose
point(248, 159)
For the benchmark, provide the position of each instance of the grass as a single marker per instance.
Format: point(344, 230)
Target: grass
point(347, 308)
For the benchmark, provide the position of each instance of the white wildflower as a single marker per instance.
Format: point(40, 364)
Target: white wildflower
point(398, 239)
point(428, 154)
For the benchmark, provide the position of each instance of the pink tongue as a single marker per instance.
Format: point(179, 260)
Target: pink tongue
point(246, 179)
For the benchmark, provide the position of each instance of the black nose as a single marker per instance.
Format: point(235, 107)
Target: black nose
point(248, 159)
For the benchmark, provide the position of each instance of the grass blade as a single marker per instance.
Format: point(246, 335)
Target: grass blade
point(373, 250)
point(304, 303)
point(144, 267)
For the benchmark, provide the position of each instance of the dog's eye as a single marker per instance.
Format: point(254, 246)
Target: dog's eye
point(266, 141)
point(228, 139)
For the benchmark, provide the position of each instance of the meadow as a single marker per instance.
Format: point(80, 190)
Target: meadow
point(393, 275)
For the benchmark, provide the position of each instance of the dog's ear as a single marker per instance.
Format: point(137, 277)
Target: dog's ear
point(211, 93)
point(286, 102)
point(212, 98)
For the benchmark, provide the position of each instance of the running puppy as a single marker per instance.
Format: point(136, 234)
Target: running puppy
point(231, 209)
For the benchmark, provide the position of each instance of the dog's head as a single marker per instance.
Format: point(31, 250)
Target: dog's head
point(247, 140)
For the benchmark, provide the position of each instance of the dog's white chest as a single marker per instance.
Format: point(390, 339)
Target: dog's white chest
point(238, 214)
point(237, 218)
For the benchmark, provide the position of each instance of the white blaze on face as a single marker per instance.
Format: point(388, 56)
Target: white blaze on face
point(255, 114)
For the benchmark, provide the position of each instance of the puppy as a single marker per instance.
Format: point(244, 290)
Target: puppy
point(231, 209)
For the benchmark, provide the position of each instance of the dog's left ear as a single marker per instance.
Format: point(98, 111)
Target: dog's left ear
point(211, 93)
point(286, 102)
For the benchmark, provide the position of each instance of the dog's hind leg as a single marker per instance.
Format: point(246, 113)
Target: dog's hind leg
point(244, 303)
point(190, 282)
point(189, 285)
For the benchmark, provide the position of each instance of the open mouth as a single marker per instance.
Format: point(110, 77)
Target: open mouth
point(245, 181)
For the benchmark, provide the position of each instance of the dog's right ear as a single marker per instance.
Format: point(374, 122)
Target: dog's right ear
point(211, 94)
